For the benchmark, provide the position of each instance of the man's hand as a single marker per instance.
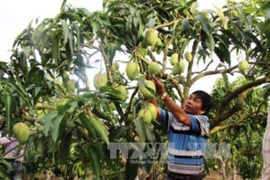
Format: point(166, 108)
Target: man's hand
point(159, 86)
point(148, 76)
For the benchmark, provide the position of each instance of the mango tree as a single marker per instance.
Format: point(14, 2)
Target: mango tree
point(46, 83)
point(242, 132)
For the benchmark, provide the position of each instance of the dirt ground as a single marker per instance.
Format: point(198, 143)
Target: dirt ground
point(218, 176)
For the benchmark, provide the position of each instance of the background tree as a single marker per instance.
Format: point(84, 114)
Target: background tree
point(46, 83)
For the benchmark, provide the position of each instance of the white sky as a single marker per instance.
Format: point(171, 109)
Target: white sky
point(15, 15)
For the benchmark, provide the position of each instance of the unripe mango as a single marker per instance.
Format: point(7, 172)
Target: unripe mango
point(174, 59)
point(152, 109)
point(100, 80)
point(21, 132)
point(65, 74)
point(71, 85)
point(242, 66)
point(115, 66)
point(159, 43)
point(234, 13)
point(124, 94)
point(175, 70)
point(151, 37)
point(181, 66)
point(112, 106)
point(132, 70)
point(188, 56)
point(145, 92)
point(145, 115)
point(153, 68)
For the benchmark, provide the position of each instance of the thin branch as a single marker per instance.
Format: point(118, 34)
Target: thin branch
point(165, 25)
point(206, 73)
point(152, 56)
point(106, 62)
point(30, 119)
point(165, 52)
point(144, 59)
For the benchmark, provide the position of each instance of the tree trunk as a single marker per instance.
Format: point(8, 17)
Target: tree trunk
point(234, 171)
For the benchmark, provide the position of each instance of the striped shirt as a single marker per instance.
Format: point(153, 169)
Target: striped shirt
point(266, 150)
point(10, 150)
point(186, 144)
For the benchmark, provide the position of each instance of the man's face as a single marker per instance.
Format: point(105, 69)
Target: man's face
point(193, 105)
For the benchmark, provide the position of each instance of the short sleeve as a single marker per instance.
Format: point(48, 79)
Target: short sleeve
point(164, 118)
point(200, 124)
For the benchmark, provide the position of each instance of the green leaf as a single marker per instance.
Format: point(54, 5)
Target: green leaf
point(239, 31)
point(211, 42)
point(26, 50)
point(140, 128)
point(70, 16)
point(149, 132)
point(65, 146)
point(78, 34)
point(118, 132)
point(101, 114)
point(56, 121)
point(70, 40)
point(18, 89)
point(204, 23)
point(55, 49)
point(48, 121)
point(255, 40)
point(87, 124)
point(17, 39)
point(68, 54)
point(63, 5)
point(266, 91)
point(94, 160)
point(7, 165)
point(223, 53)
point(110, 51)
point(187, 27)
point(65, 31)
point(8, 104)
point(131, 169)
point(233, 38)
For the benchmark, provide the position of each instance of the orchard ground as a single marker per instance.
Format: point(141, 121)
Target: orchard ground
point(214, 175)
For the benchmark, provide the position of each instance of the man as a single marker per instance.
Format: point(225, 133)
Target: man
point(13, 152)
point(188, 130)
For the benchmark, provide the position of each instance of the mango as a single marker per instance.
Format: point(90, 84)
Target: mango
point(145, 115)
point(21, 132)
point(174, 59)
point(115, 66)
point(151, 37)
point(145, 92)
point(188, 56)
point(100, 80)
point(132, 70)
point(152, 109)
point(124, 94)
point(153, 68)
point(242, 66)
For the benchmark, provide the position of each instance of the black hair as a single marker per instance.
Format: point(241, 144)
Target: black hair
point(206, 100)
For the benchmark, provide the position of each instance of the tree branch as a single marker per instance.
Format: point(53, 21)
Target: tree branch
point(165, 24)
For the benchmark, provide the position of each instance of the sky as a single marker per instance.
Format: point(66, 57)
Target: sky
point(15, 16)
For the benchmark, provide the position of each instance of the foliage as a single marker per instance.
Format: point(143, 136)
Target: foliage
point(243, 132)
point(46, 82)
